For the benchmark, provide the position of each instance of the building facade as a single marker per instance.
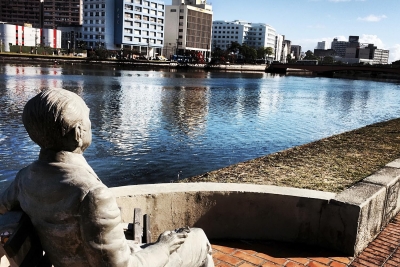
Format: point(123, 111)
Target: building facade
point(339, 47)
point(321, 45)
point(255, 35)
point(188, 26)
point(39, 13)
point(226, 32)
point(124, 24)
point(28, 36)
point(296, 51)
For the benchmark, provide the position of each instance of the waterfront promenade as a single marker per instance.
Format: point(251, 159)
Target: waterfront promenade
point(384, 250)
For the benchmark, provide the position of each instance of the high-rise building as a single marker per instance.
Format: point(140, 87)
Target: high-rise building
point(339, 47)
point(118, 24)
point(296, 50)
point(252, 34)
point(188, 26)
point(226, 32)
point(321, 45)
point(39, 13)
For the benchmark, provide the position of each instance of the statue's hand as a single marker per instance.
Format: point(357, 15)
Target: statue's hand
point(172, 239)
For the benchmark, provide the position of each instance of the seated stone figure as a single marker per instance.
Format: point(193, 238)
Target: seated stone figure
point(75, 214)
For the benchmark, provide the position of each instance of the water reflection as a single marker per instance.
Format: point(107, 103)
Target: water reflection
point(157, 126)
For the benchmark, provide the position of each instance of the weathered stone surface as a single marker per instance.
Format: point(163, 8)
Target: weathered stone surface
point(353, 218)
point(389, 178)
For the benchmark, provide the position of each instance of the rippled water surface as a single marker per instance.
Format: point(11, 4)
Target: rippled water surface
point(159, 126)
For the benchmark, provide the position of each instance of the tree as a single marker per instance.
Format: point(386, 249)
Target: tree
point(397, 62)
point(328, 60)
point(310, 56)
point(269, 51)
point(234, 47)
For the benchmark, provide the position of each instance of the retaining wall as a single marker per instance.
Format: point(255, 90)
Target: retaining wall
point(347, 221)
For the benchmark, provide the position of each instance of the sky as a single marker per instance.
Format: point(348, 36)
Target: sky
point(307, 22)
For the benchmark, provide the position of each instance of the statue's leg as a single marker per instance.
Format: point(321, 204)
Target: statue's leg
point(195, 252)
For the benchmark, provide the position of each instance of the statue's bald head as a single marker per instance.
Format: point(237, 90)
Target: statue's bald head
point(51, 115)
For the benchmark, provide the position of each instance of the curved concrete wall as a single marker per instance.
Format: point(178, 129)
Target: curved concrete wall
point(228, 210)
point(347, 221)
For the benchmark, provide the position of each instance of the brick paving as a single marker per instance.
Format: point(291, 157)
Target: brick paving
point(384, 251)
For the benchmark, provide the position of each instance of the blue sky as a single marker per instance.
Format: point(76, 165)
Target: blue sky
point(306, 22)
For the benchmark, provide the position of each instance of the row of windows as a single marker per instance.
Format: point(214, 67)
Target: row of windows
point(144, 18)
point(228, 32)
point(147, 3)
point(145, 10)
point(143, 25)
point(144, 33)
point(95, 14)
point(93, 37)
point(93, 29)
point(93, 21)
point(142, 40)
point(95, 6)
point(225, 37)
point(224, 27)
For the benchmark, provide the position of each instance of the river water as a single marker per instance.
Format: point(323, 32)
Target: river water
point(164, 125)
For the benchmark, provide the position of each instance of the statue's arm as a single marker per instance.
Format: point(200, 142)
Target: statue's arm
point(9, 198)
point(104, 239)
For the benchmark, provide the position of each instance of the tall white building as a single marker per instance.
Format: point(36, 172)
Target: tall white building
point(252, 34)
point(117, 24)
point(226, 32)
point(188, 27)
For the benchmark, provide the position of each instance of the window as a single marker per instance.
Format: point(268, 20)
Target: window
point(173, 10)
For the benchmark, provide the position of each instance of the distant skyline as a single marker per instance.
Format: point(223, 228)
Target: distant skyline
point(307, 22)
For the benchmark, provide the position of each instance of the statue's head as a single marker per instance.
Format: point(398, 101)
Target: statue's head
point(58, 120)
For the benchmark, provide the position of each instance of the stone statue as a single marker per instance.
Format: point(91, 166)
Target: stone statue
point(75, 214)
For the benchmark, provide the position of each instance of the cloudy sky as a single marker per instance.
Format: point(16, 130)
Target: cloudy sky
point(306, 22)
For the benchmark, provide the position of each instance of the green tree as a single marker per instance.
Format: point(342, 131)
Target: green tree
point(310, 56)
point(269, 51)
point(327, 60)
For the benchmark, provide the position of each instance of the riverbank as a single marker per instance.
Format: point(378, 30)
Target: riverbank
point(331, 164)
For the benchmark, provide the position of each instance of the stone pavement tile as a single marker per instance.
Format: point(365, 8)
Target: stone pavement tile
point(316, 264)
point(270, 264)
point(249, 258)
point(303, 261)
point(246, 265)
point(226, 258)
point(342, 259)
point(293, 264)
point(223, 249)
point(222, 265)
point(325, 261)
point(337, 264)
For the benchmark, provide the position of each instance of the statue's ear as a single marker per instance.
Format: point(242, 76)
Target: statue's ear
point(78, 134)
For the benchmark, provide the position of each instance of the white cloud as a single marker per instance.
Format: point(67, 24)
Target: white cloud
point(337, 1)
point(394, 53)
point(372, 39)
point(372, 18)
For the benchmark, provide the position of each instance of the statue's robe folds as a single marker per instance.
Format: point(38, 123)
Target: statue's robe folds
point(78, 220)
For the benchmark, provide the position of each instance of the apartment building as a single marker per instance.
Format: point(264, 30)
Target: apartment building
point(226, 32)
point(252, 34)
point(121, 24)
point(42, 13)
point(339, 47)
point(188, 25)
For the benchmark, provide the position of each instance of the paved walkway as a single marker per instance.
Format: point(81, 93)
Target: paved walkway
point(383, 251)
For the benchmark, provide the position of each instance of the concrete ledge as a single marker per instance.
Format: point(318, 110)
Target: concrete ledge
point(347, 221)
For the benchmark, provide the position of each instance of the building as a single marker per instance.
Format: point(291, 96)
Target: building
point(137, 25)
point(321, 45)
point(27, 36)
point(381, 56)
point(296, 51)
point(226, 32)
point(339, 47)
point(255, 35)
point(42, 14)
point(188, 26)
